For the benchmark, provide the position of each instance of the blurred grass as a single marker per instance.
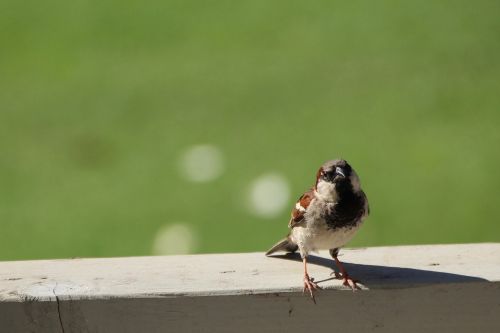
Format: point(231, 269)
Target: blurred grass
point(98, 99)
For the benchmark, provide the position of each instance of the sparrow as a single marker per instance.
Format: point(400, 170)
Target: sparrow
point(326, 217)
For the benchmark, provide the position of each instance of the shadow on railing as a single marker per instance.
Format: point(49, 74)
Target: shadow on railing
point(386, 276)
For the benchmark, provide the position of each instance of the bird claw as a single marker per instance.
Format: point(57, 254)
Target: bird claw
point(338, 276)
point(351, 283)
point(347, 280)
point(310, 286)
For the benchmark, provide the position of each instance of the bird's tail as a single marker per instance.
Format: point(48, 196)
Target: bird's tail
point(285, 244)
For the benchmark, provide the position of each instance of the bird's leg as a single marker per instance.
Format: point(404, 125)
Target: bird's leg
point(348, 281)
point(309, 283)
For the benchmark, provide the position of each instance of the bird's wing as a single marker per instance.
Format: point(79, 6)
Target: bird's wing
point(300, 208)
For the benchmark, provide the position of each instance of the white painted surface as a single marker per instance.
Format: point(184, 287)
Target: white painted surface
point(409, 287)
point(245, 273)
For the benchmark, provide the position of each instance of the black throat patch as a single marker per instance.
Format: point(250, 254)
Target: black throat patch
point(348, 210)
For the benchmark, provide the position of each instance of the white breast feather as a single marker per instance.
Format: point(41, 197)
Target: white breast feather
point(315, 235)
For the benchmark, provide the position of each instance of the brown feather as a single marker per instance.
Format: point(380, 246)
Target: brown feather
point(298, 214)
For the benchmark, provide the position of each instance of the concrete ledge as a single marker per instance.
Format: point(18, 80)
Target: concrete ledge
point(411, 288)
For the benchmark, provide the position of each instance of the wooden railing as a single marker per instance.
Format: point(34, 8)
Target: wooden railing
point(436, 288)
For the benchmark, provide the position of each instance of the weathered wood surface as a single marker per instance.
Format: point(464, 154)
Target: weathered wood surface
point(411, 288)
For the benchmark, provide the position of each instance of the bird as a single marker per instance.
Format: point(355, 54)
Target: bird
point(326, 217)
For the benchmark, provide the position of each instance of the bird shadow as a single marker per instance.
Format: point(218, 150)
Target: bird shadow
point(387, 276)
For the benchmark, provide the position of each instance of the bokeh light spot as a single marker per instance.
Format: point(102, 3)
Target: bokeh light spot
point(268, 195)
point(202, 163)
point(178, 238)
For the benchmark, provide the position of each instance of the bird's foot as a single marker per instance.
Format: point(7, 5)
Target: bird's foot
point(347, 280)
point(351, 283)
point(310, 286)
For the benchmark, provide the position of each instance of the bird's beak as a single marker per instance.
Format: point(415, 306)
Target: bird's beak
point(339, 171)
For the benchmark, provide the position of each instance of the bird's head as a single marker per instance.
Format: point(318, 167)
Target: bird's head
point(336, 176)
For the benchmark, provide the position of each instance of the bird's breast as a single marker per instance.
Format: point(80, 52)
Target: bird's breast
point(317, 236)
point(329, 225)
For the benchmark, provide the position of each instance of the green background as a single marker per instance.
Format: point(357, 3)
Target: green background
point(98, 99)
